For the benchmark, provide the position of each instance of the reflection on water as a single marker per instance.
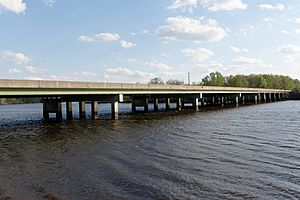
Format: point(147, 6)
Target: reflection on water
point(244, 153)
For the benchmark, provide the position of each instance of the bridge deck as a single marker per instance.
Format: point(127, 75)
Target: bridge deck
point(42, 87)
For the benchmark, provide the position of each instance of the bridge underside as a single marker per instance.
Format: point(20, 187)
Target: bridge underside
point(52, 104)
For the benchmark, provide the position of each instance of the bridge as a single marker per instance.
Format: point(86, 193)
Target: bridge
point(54, 93)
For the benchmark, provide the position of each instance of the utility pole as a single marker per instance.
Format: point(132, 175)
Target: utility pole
point(189, 79)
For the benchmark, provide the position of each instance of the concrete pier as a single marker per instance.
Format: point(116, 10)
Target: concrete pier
point(168, 103)
point(196, 103)
point(53, 107)
point(146, 104)
point(179, 103)
point(115, 110)
point(82, 109)
point(155, 104)
point(94, 109)
point(69, 110)
point(237, 101)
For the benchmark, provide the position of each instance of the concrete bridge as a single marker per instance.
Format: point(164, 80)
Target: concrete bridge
point(53, 93)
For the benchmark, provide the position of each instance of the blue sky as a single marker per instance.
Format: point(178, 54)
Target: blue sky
point(134, 41)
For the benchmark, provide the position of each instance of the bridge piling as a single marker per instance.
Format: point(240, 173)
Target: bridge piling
point(178, 103)
point(146, 104)
point(168, 103)
point(82, 109)
point(155, 103)
point(69, 111)
point(94, 109)
point(237, 101)
point(255, 99)
point(115, 109)
point(196, 103)
point(52, 106)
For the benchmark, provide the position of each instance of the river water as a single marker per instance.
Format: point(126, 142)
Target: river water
point(249, 152)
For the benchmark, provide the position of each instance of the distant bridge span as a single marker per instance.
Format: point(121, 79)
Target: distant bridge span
point(53, 93)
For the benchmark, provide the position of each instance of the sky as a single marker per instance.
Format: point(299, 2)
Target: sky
point(134, 41)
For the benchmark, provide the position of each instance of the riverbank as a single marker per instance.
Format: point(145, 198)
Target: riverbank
point(4, 101)
point(294, 96)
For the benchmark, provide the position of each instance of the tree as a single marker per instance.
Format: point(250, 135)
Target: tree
point(237, 81)
point(156, 80)
point(174, 82)
point(214, 79)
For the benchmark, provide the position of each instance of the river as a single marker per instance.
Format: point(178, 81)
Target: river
point(250, 152)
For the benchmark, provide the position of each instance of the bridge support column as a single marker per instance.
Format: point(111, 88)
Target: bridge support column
point(202, 102)
point(264, 98)
point(243, 99)
point(133, 104)
point(213, 99)
point(94, 108)
point(222, 101)
point(236, 101)
point(255, 99)
point(52, 107)
point(81, 109)
point(179, 104)
point(146, 104)
point(168, 103)
point(69, 110)
point(279, 96)
point(155, 104)
point(115, 109)
point(196, 103)
point(275, 98)
point(270, 98)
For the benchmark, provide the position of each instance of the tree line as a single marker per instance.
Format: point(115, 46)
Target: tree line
point(251, 81)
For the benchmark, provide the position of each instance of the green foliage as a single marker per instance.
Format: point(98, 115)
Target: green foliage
point(253, 80)
point(156, 80)
point(214, 79)
point(237, 81)
point(174, 82)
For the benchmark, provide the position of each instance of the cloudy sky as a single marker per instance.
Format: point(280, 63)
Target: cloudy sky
point(134, 40)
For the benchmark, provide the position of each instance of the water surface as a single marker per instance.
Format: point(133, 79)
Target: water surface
point(249, 152)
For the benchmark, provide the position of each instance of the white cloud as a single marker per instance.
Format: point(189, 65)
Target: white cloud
point(14, 70)
point(184, 28)
point(33, 70)
point(49, 3)
point(239, 50)
point(99, 37)
point(160, 66)
point(278, 7)
point(206, 68)
point(248, 29)
point(126, 44)
point(269, 21)
point(227, 5)
point(297, 20)
point(289, 60)
point(296, 31)
point(16, 6)
point(185, 5)
point(145, 31)
point(200, 54)
point(211, 5)
point(10, 57)
point(127, 75)
point(245, 62)
point(108, 37)
point(26, 69)
point(289, 49)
